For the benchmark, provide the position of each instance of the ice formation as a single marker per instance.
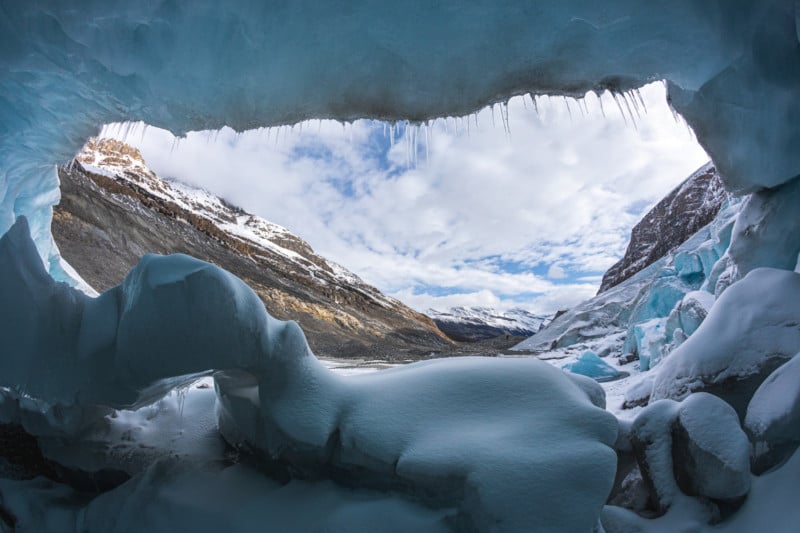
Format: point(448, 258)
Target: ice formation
point(733, 73)
point(589, 364)
point(458, 430)
point(70, 67)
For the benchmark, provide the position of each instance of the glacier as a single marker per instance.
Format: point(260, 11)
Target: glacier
point(72, 362)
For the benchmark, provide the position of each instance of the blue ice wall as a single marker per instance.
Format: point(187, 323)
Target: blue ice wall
point(69, 66)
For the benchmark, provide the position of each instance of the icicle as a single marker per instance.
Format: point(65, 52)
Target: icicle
point(427, 142)
point(675, 115)
point(628, 106)
point(600, 101)
point(493, 123)
point(566, 101)
point(535, 105)
point(127, 131)
point(585, 105)
point(619, 106)
point(391, 135)
point(476, 120)
point(634, 102)
point(639, 95)
point(416, 144)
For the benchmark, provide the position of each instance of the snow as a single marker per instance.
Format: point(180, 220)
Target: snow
point(170, 497)
point(112, 159)
point(751, 326)
point(773, 415)
point(511, 319)
point(454, 432)
point(716, 449)
point(732, 73)
point(776, 399)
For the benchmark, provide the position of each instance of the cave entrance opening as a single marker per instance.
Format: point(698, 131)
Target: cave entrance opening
point(523, 204)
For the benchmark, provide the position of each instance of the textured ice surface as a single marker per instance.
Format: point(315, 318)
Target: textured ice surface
point(448, 429)
point(751, 329)
point(589, 364)
point(712, 451)
point(170, 497)
point(69, 67)
point(765, 234)
point(504, 441)
point(771, 505)
point(773, 416)
point(733, 71)
point(637, 310)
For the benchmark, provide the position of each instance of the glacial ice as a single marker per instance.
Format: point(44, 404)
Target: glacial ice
point(171, 496)
point(647, 310)
point(750, 331)
point(732, 71)
point(773, 417)
point(452, 433)
point(589, 364)
point(69, 67)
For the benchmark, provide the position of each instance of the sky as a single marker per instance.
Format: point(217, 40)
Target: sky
point(517, 206)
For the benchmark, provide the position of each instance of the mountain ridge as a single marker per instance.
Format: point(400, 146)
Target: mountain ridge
point(470, 324)
point(676, 217)
point(114, 209)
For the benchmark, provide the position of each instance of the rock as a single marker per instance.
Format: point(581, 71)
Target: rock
point(639, 393)
point(114, 209)
point(689, 207)
point(710, 451)
point(773, 418)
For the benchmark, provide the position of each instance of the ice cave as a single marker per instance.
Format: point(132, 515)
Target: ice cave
point(463, 444)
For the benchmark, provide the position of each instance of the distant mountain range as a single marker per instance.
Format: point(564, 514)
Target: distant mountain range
point(479, 323)
point(114, 209)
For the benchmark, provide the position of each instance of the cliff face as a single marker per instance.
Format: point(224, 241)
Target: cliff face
point(114, 210)
point(686, 209)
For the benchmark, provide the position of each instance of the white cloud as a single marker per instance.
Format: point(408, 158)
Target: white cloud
point(484, 212)
point(556, 272)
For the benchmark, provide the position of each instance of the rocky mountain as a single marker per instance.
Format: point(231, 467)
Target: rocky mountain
point(478, 323)
point(114, 209)
point(689, 207)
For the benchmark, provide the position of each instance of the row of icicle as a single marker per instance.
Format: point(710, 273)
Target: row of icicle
point(411, 132)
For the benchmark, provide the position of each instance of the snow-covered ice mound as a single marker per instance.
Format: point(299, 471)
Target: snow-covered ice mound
point(511, 444)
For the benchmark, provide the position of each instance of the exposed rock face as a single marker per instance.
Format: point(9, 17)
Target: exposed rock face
point(472, 324)
point(689, 207)
point(114, 209)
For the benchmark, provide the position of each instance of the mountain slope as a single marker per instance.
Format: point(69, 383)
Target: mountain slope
point(114, 210)
point(689, 207)
point(479, 323)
